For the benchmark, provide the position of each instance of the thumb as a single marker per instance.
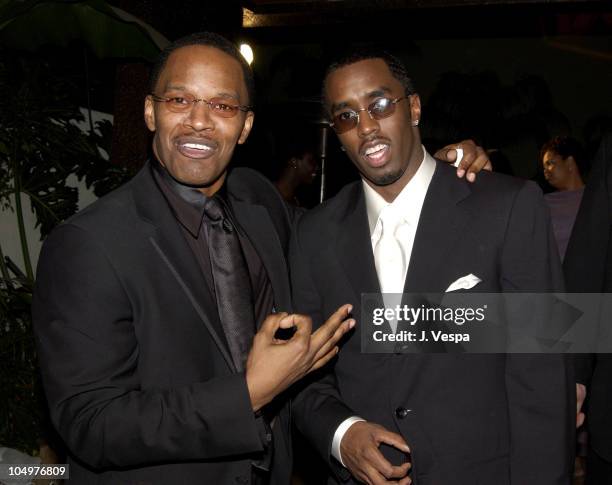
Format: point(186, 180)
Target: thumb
point(272, 323)
point(392, 439)
point(450, 155)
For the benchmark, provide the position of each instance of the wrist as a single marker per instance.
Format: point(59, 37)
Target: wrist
point(258, 400)
point(339, 435)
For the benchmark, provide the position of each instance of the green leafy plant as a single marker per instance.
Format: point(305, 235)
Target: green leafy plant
point(41, 146)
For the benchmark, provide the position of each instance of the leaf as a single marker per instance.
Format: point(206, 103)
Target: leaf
point(44, 146)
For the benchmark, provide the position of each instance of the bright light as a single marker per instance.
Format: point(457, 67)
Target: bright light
point(247, 52)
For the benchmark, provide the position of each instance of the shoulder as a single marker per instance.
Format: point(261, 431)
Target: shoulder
point(512, 192)
point(495, 188)
point(114, 208)
point(333, 211)
point(113, 217)
point(248, 185)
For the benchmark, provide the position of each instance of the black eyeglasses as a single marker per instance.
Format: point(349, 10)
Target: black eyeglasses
point(184, 103)
point(379, 109)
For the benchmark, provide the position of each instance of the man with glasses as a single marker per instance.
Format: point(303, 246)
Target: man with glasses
point(410, 225)
point(156, 308)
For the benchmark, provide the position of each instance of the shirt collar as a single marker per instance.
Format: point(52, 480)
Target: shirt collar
point(409, 201)
point(187, 203)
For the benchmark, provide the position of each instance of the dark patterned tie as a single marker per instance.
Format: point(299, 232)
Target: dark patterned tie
point(232, 282)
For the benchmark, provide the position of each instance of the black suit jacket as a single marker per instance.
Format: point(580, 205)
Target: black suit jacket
point(469, 419)
point(137, 373)
point(588, 269)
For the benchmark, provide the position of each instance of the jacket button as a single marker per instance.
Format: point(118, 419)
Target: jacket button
point(401, 413)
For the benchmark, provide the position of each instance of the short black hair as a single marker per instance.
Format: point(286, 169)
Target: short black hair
point(356, 54)
point(206, 39)
point(566, 146)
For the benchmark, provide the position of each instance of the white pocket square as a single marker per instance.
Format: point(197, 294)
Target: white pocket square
point(464, 283)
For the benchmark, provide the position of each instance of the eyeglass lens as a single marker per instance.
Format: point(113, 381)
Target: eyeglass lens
point(379, 109)
point(218, 106)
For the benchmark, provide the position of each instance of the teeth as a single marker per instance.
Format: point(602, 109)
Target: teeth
point(196, 146)
point(375, 149)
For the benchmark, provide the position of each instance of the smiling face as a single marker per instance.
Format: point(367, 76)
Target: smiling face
point(196, 146)
point(387, 152)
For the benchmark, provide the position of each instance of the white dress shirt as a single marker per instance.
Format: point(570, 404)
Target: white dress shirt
point(407, 205)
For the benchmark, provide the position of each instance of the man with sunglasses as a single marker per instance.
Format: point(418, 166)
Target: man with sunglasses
point(411, 226)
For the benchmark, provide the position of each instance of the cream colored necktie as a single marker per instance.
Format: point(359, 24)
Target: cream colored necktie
point(389, 256)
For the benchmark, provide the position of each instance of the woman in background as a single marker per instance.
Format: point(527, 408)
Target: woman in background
point(561, 158)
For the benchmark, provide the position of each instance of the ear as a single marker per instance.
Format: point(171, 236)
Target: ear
point(246, 129)
point(415, 107)
point(149, 113)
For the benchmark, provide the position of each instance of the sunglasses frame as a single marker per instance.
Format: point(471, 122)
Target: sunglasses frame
point(369, 109)
point(194, 101)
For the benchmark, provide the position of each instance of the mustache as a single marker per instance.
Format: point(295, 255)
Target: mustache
point(375, 140)
point(193, 138)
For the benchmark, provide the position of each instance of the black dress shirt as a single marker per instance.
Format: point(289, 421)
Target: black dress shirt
point(187, 205)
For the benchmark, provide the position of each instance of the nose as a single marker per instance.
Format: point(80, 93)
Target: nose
point(366, 124)
point(200, 118)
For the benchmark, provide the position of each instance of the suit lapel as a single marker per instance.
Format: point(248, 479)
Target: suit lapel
point(256, 222)
point(353, 244)
point(170, 245)
point(441, 222)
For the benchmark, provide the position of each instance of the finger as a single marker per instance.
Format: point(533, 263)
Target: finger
point(324, 360)
point(346, 326)
point(579, 420)
point(328, 329)
point(446, 154)
point(482, 162)
point(468, 159)
point(384, 470)
point(382, 435)
point(470, 155)
point(271, 324)
point(475, 162)
point(469, 148)
point(451, 155)
point(369, 475)
point(302, 323)
point(405, 481)
point(399, 471)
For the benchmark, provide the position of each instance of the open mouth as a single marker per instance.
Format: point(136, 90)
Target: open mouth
point(376, 154)
point(196, 148)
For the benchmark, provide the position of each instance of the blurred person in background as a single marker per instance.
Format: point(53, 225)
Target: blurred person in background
point(297, 167)
point(562, 157)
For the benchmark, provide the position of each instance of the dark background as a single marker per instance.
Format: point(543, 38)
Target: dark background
point(509, 74)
